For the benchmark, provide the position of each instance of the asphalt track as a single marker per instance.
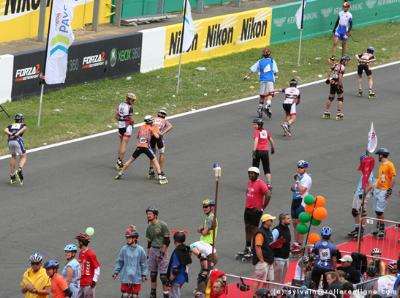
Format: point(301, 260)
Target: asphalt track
point(71, 187)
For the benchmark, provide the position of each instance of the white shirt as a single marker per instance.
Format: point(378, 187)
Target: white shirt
point(291, 95)
point(306, 182)
point(385, 286)
point(124, 110)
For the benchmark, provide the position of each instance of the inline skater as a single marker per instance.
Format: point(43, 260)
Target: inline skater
point(158, 240)
point(164, 126)
point(35, 282)
point(16, 146)
point(59, 287)
point(262, 141)
point(364, 65)
point(72, 270)
point(144, 135)
point(292, 99)
point(131, 265)
point(123, 115)
point(267, 69)
point(326, 256)
point(335, 81)
point(342, 29)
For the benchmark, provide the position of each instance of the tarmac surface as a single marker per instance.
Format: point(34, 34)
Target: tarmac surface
point(71, 187)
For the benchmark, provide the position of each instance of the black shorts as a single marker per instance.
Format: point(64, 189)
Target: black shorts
point(264, 158)
point(296, 209)
point(147, 151)
point(252, 217)
point(363, 67)
point(156, 142)
point(336, 89)
point(287, 108)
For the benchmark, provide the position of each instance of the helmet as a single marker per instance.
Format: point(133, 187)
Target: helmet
point(51, 264)
point(19, 117)
point(346, 4)
point(131, 232)
point(375, 251)
point(258, 121)
point(370, 50)
point(345, 58)
point(326, 232)
point(148, 119)
point(162, 113)
point(383, 151)
point(293, 83)
point(70, 248)
point(36, 257)
point(131, 96)
point(254, 170)
point(392, 267)
point(83, 236)
point(179, 237)
point(208, 202)
point(152, 209)
point(303, 164)
point(266, 52)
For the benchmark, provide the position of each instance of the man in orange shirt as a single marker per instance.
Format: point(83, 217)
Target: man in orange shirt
point(383, 189)
point(59, 287)
point(144, 135)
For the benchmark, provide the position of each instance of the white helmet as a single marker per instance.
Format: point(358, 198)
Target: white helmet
point(254, 170)
point(148, 119)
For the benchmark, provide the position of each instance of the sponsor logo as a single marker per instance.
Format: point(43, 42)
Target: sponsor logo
point(113, 57)
point(387, 2)
point(28, 73)
point(94, 61)
point(175, 43)
point(73, 65)
point(18, 6)
point(123, 55)
point(279, 21)
point(326, 12)
point(252, 29)
point(217, 36)
point(370, 3)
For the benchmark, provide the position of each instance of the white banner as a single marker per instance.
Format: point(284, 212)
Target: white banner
point(372, 139)
point(190, 28)
point(60, 39)
point(300, 14)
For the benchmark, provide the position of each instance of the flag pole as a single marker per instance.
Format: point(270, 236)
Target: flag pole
point(217, 173)
point(181, 47)
point(301, 31)
point(42, 79)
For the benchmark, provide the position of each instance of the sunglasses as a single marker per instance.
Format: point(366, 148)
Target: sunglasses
point(35, 263)
point(206, 206)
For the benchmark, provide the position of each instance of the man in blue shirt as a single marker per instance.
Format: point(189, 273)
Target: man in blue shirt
point(341, 30)
point(177, 268)
point(325, 258)
point(267, 70)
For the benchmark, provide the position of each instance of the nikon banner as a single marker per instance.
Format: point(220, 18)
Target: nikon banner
point(220, 36)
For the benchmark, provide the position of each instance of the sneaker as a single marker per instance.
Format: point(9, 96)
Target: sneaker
point(326, 115)
point(119, 165)
point(289, 132)
point(20, 176)
point(119, 176)
point(260, 111)
point(339, 116)
point(360, 92)
point(152, 174)
point(162, 179)
point(285, 127)
point(13, 179)
point(268, 111)
point(371, 94)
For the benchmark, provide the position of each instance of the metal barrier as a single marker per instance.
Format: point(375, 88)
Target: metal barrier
point(367, 288)
point(278, 289)
point(389, 245)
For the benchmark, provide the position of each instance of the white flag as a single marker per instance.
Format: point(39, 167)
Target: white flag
point(60, 39)
point(190, 28)
point(372, 139)
point(300, 14)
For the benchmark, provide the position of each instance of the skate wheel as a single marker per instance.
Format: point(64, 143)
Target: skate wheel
point(243, 260)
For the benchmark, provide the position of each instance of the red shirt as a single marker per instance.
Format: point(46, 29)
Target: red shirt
point(255, 194)
point(263, 139)
point(88, 261)
point(144, 135)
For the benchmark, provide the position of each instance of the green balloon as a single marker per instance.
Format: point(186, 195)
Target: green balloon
point(309, 199)
point(304, 217)
point(302, 228)
point(315, 222)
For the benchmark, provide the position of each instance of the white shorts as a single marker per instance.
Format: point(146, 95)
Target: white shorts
point(16, 147)
point(204, 248)
point(357, 201)
point(380, 200)
point(266, 87)
point(264, 271)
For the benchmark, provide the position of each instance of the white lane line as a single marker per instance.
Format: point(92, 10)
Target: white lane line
point(104, 133)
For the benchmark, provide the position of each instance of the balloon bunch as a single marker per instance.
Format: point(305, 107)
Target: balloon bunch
point(315, 212)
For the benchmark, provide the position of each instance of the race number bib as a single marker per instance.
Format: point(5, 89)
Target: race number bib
point(263, 134)
point(325, 254)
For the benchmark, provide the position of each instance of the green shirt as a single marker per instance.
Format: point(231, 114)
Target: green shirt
point(156, 232)
point(208, 224)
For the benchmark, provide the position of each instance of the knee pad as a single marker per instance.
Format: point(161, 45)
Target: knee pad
point(202, 258)
point(262, 98)
point(125, 295)
point(153, 276)
point(203, 276)
point(354, 212)
point(378, 213)
point(212, 258)
point(340, 98)
point(331, 97)
point(164, 279)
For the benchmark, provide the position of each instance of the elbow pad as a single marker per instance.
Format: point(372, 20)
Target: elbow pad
point(166, 241)
point(148, 244)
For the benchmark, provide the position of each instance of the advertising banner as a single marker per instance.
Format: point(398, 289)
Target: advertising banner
point(6, 66)
point(219, 36)
point(86, 61)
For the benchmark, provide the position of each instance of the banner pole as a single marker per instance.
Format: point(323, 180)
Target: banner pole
point(299, 54)
point(40, 104)
point(181, 47)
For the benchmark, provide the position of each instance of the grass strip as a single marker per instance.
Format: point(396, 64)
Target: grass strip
point(89, 107)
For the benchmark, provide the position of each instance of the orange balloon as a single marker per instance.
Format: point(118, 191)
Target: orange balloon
point(313, 238)
point(309, 208)
point(320, 213)
point(320, 201)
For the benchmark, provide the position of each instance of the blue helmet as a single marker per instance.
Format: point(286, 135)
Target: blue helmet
point(71, 248)
point(303, 164)
point(326, 232)
point(35, 258)
point(51, 264)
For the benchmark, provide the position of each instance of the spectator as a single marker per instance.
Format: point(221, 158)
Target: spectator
point(35, 282)
point(217, 287)
point(352, 274)
point(72, 270)
point(334, 285)
point(59, 287)
point(385, 287)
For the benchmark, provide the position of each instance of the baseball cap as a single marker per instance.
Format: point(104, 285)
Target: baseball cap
point(266, 217)
point(130, 95)
point(346, 258)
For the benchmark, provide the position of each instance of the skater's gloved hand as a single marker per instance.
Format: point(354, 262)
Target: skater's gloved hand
point(388, 192)
point(327, 81)
point(272, 150)
point(253, 155)
point(92, 284)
